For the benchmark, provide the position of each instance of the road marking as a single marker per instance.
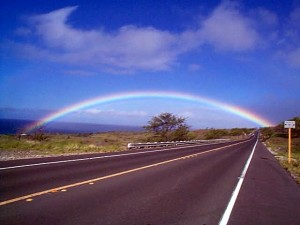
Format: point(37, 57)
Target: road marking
point(235, 193)
point(92, 181)
point(93, 158)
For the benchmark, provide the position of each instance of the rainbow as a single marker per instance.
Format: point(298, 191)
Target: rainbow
point(150, 94)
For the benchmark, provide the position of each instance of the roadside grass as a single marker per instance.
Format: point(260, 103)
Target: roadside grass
point(279, 146)
point(59, 144)
point(41, 145)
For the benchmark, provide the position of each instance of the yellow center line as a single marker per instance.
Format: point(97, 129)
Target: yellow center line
point(53, 190)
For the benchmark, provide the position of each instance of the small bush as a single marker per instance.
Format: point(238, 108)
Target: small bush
point(215, 134)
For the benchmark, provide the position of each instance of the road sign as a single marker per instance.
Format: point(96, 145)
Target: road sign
point(289, 124)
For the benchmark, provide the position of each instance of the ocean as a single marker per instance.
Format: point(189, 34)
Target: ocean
point(14, 126)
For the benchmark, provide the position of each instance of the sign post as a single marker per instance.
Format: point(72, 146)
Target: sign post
point(290, 125)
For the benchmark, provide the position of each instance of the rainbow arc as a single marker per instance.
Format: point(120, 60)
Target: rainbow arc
point(243, 113)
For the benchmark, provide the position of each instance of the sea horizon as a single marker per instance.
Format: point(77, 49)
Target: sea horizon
point(15, 126)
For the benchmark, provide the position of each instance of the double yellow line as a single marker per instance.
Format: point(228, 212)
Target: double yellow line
point(64, 188)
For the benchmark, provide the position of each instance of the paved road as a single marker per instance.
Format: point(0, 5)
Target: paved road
point(269, 194)
point(190, 185)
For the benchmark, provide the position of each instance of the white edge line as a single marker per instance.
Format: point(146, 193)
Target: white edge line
point(91, 158)
point(226, 215)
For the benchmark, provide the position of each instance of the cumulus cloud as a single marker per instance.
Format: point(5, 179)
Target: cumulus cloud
point(289, 40)
point(128, 48)
point(227, 29)
point(131, 48)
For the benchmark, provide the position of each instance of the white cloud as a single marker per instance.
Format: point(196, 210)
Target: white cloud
point(92, 111)
point(131, 48)
point(289, 40)
point(112, 112)
point(80, 72)
point(227, 29)
point(187, 114)
point(293, 57)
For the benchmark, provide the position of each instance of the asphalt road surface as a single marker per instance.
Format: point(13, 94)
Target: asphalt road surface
point(233, 183)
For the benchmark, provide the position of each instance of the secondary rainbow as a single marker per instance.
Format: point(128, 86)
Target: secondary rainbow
point(150, 95)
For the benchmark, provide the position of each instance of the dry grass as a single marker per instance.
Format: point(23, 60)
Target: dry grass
point(279, 146)
point(11, 147)
point(57, 144)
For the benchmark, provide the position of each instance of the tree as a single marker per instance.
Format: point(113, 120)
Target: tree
point(168, 127)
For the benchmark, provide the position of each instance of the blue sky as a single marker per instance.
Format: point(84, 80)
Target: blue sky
point(57, 53)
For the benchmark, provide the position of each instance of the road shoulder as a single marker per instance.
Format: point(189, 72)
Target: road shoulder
point(269, 194)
